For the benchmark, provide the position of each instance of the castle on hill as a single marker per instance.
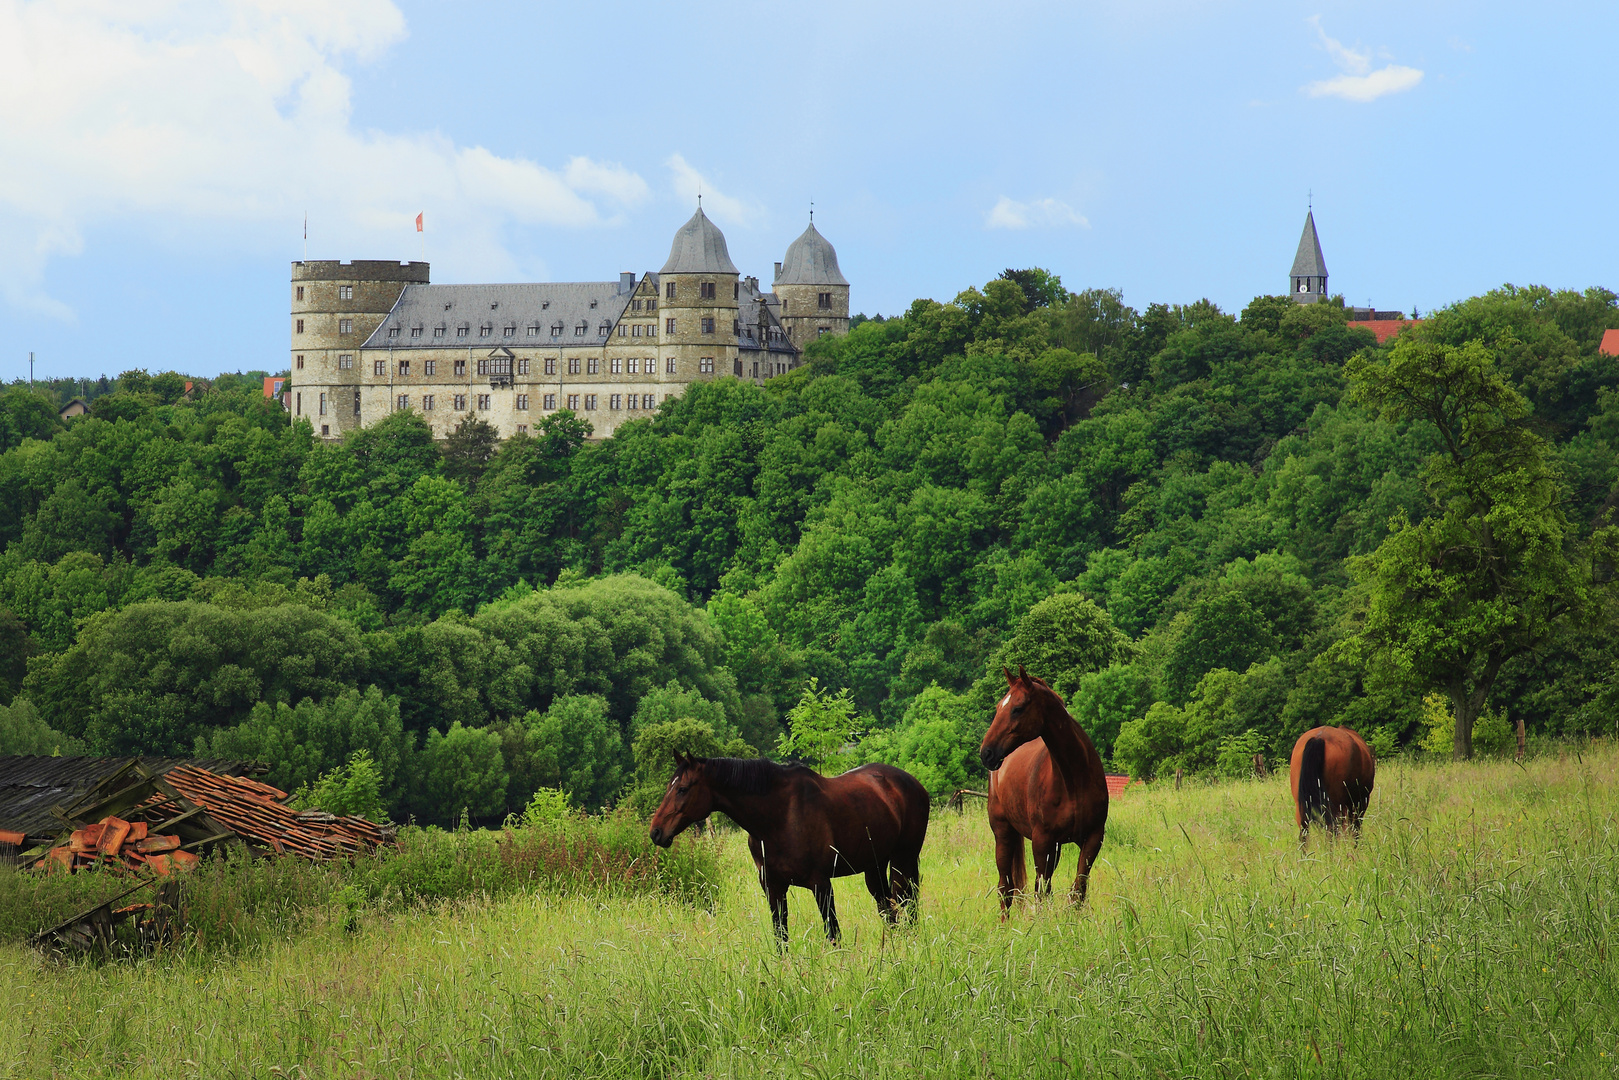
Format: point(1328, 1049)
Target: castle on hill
point(370, 338)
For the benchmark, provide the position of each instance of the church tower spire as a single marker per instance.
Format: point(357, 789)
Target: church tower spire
point(1309, 276)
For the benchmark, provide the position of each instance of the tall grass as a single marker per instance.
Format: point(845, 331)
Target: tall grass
point(1469, 933)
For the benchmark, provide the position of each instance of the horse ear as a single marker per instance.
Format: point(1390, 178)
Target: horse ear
point(1021, 673)
point(1008, 673)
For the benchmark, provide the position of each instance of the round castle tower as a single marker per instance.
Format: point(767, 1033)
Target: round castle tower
point(336, 306)
point(698, 288)
point(814, 293)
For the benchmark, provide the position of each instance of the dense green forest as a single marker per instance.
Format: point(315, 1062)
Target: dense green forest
point(1210, 532)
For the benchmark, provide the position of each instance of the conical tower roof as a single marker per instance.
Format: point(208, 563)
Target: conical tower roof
point(1308, 262)
point(810, 260)
point(699, 248)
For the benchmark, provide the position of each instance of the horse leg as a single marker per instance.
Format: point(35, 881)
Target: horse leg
point(877, 885)
point(776, 893)
point(829, 912)
point(1087, 858)
point(1046, 854)
point(1009, 861)
point(905, 880)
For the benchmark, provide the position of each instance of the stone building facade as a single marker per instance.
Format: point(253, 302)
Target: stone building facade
point(373, 338)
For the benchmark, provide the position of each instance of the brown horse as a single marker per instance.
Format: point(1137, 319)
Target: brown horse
point(1046, 783)
point(1332, 774)
point(806, 829)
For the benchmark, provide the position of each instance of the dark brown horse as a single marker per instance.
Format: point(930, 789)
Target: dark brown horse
point(1332, 774)
point(1046, 784)
point(806, 829)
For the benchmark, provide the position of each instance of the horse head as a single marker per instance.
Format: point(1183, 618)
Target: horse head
point(1020, 717)
point(688, 799)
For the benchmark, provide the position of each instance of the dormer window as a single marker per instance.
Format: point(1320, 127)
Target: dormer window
point(593, 303)
point(438, 331)
point(579, 331)
point(415, 331)
point(462, 331)
point(533, 329)
point(605, 329)
point(393, 331)
point(510, 330)
point(556, 329)
point(485, 330)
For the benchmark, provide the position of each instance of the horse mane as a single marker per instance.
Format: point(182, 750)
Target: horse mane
point(750, 776)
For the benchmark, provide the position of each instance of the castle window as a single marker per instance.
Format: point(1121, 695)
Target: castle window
point(460, 369)
point(326, 429)
point(300, 363)
point(460, 401)
point(573, 365)
point(356, 403)
point(668, 326)
point(635, 305)
point(403, 402)
point(404, 367)
point(322, 404)
point(593, 366)
point(522, 402)
point(345, 326)
point(510, 330)
point(590, 401)
point(550, 401)
point(649, 401)
point(345, 361)
point(484, 330)
point(706, 290)
point(300, 326)
point(393, 331)
point(736, 290)
point(522, 429)
point(415, 331)
point(708, 326)
point(669, 365)
point(633, 365)
point(652, 305)
point(427, 403)
point(438, 331)
point(615, 402)
point(605, 329)
point(669, 290)
point(522, 367)
point(635, 331)
point(461, 331)
point(756, 369)
point(617, 365)
point(579, 331)
point(822, 330)
point(823, 301)
point(550, 366)
point(706, 365)
point(593, 303)
point(379, 367)
point(345, 292)
point(430, 367)
point(556, 329)
point(573, 402)
point(623, 331)
point(533, 329)
point(300, 292)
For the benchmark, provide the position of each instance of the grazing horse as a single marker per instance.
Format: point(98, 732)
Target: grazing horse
point(1332, 773)
point(1046, 783)
point(806, 829)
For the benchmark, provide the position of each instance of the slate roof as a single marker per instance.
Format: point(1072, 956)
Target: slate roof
point(542, 304)
point(810, 260)
point(30, 785)
point(699, 248)
point(747, 315)
point(1309, 261)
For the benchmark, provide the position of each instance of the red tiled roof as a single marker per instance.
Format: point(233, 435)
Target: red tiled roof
point(1610, 343)
point(1387, 328)
point(1116, 785)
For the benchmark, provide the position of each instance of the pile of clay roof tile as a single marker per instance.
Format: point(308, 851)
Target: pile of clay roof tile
point(135, 820)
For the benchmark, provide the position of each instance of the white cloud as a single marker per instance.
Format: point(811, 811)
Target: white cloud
point(224, 119)
point(689, 183)
point(1035, 214)
point(1358, 81)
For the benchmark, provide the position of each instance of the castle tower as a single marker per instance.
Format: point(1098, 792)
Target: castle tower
point(814, 293)
point(1309, 277)
point(335, 307)
point(699, 288)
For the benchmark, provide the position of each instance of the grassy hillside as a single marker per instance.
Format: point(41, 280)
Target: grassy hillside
point(1471, 932)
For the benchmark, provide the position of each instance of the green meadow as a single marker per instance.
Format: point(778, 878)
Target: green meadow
point(1470, 932)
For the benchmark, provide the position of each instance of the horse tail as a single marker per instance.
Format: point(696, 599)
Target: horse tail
point(1313, 783)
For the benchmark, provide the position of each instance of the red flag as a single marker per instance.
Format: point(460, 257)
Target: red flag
point(419, 222)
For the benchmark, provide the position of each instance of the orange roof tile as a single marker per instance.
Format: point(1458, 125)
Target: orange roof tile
point(1610, 343)
point(1385, 328)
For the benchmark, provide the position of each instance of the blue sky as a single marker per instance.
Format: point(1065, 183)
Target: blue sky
point(160, 155)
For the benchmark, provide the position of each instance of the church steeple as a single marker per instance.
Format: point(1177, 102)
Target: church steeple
point(1309, 276)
